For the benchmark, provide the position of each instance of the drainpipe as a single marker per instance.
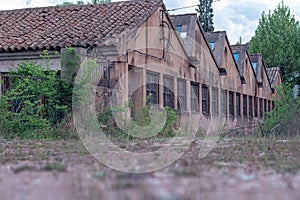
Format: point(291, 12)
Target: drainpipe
point(108, 74)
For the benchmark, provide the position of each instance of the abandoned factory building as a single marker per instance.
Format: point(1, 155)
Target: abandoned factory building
point(148, 55)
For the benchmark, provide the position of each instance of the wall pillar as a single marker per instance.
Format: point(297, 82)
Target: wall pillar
point(71, 60)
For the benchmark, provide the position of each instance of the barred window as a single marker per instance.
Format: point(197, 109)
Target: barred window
point(5, 83)
point(238, 104)
point(224, 102)
point(168, 92)
point(245, 111)
point(195, 97)
point(152, 88)
point(215, 101)
point(181, 94)
point(260, 107)
point(255, 107)
point(205, 99)
point(250, 106)
point(265, 105)
point(231, 103)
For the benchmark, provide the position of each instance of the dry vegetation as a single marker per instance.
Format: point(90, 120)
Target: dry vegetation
point(236, 167)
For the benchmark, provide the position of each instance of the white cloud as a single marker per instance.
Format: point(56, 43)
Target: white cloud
point(16, 4)
point(238, 18)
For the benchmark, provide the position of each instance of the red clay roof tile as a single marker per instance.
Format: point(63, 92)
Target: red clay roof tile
point(80, 25)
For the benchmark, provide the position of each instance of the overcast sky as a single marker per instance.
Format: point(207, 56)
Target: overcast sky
point(237, 17)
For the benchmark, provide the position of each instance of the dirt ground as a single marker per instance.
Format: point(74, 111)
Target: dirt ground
point(234, 169)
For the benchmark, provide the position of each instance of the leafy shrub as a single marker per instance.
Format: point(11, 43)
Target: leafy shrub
point(32, 106)
point(106, 119)
point(284, 119)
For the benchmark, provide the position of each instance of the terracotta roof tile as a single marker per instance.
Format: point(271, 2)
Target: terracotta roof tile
point(80, 25)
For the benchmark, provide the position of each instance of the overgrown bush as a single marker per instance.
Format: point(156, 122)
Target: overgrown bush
point(106, 119)
point(284, 119)
point(32, 105)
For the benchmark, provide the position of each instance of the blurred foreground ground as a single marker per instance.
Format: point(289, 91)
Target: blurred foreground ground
point(236, 168)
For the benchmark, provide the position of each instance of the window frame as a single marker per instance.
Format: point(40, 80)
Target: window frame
point(245, 105)
point(212, 46)
point(238, 104)
point(236, 57)
point(183, 95)
point(265, 106)
point(223, 100)
point(195, 97)
point(254, 66)
point(168, 91)
point(256, 106)
point(261, 107)
point(205, 99)
point(152, 88)
point(215, 100)
point(231, 103)
point(250, 105)
point(178, 28)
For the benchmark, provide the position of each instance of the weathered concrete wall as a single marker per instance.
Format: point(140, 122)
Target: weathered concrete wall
point(11, 60)
point(264, 85)
point(175, 64)
point(209, 76)
point(232, 83)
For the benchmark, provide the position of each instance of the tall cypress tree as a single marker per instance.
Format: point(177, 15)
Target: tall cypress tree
point(206, 15)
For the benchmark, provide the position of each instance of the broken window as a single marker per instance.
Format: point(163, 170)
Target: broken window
point(265, 106)
point(250, 106)
point(195, 97)
point(224, 102)
point(168, 92)
point(5, 83)
point(181, 94)
point(215, 101)
point(238, 104)
point(255, 107)
point(205, 99)
point(152, 88)
point(231, 103)
point(245, 112)
point(260, 107)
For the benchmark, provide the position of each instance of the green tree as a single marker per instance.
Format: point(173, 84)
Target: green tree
point(206, 15)
point(277, 38)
